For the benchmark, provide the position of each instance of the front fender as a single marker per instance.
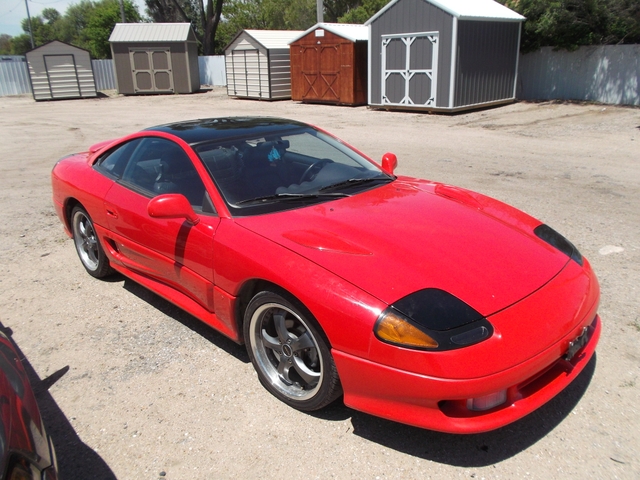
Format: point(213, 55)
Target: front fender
point(345, 312)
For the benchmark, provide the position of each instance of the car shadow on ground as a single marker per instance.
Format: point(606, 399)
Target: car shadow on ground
point(189, 321)
point(469, 451)
point(76, 460)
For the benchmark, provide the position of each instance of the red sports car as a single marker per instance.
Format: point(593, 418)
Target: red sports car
point(417, 301)
point(26, 450)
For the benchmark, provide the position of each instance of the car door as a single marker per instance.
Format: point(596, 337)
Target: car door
point(170, 250)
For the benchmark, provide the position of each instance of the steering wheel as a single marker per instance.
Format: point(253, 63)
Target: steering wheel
point(313, 169)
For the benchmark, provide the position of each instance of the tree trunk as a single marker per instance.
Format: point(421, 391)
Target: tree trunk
point(210, 24)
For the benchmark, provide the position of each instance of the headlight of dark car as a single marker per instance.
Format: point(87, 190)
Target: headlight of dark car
point(431, 319)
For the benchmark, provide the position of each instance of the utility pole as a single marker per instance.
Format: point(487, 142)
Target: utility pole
point(121, 11)
point(26, 4)
point(319, 11)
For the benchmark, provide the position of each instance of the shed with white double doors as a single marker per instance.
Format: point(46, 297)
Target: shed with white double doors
point(443, 55)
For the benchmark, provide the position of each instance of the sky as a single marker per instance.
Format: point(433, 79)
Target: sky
point(13, 11)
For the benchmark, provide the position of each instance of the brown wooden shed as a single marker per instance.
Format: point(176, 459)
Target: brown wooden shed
point(155, 58)
point(329, 64)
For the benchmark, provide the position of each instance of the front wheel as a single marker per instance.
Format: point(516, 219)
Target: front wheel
point(289, 352)
point(87, 244)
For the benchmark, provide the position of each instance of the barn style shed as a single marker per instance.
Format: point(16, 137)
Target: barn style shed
point(257, 64)
point(443, 55)
point(58, 70)
point(329, 64)
point(155, 58)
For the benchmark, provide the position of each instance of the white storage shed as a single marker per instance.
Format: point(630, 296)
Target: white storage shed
point(258, 66)
point(58, 70)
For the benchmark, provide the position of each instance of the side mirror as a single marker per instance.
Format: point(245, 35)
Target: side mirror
point(172, 205)
point(389, 163)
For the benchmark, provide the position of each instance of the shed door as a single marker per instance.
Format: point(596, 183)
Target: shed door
point(249, 72)
point(62, 75)
point(409, 69)
point(321, 72)
point(151, 70)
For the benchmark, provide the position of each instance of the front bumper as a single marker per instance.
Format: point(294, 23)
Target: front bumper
point(440, 403)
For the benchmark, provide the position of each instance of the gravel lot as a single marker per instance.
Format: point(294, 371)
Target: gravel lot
point(133, 388)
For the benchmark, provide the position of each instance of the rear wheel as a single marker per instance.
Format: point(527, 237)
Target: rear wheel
point(289, 352)
point(87, 244)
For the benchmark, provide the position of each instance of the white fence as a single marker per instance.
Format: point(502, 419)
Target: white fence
point(608, 74)
point(212, 70)
point(104, 73)
point(14, 78)
point(14, 75)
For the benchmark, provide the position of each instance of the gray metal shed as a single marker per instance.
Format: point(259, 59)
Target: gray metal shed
point(155, 58)
point(443, 55)
point(257, 64)
point(58, 70)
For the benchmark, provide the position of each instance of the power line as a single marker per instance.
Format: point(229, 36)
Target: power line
point(11, 9)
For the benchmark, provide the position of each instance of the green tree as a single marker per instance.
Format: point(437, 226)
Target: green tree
point(289, 15)
point(44, 27)
point(300, 15)
point(86, 24)
point(75, 21)
point(334, 9)
point(624, 26)
point(363, 12)
point(204, 17)
point(5, 44)
point(569, 24)
point(264, 15)
point(101, 22)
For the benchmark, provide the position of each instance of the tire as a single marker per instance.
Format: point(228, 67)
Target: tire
point(88, 246)
point(290, 352)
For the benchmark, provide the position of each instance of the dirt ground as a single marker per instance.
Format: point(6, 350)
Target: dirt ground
point(137, 389)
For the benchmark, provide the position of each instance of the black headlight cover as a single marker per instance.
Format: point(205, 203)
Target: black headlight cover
point(442, 316)
point(436, 309)
point(546, 233)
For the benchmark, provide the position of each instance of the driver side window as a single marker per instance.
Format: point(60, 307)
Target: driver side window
point(159, 166)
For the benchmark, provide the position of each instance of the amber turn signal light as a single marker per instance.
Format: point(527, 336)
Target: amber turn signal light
point(394, 329)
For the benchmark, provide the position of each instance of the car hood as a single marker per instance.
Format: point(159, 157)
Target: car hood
point(413, 234)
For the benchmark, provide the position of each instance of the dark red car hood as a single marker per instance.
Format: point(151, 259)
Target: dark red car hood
point(412, 234)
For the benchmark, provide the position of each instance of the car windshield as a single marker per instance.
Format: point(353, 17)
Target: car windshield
point(296, 167)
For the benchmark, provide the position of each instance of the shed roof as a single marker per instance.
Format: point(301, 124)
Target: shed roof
point(349, 31)
point(151, 32)
point(273, 38)
point(487, 10)
point(53, 43)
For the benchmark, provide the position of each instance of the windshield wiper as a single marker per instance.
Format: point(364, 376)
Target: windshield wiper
point(291, 196)
point(356, 181)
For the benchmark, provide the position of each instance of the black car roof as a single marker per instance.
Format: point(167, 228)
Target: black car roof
point(209, 129)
